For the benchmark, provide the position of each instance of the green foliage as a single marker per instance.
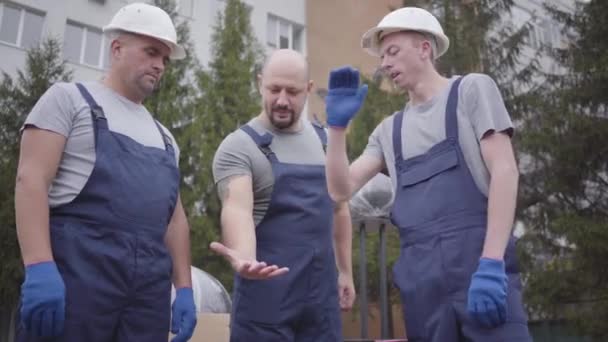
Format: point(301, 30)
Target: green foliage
point(43, 67)
point(564, 193)
point(229, 100)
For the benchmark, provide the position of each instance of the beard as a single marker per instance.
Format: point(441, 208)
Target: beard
point(281, 117)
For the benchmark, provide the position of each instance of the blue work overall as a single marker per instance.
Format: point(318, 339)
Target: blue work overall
point(108, 242)
point(296, 232)
point(442, 217)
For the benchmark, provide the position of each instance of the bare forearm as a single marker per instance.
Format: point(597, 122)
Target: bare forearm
point(32, 217)
point(343, 240)
point(337, 166)
point(501, 212)
point(238, 232)
point(178, 243)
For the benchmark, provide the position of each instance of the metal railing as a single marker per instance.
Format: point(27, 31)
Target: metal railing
point(381, 226)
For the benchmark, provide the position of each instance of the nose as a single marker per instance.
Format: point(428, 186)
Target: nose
point(386, 65)
point(283, 99)
point(159, 64)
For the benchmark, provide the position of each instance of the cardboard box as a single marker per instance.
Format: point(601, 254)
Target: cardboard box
point(211, 327)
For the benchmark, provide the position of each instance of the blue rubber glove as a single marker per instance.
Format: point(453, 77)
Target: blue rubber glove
point(344, 96)
point(487, 300)
point(183, 315)
point(43, 300)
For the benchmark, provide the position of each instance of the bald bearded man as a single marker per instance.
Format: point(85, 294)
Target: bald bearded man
point(279, 225)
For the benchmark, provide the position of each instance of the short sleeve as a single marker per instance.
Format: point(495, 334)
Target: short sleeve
point(54, 111)
point(484, 105)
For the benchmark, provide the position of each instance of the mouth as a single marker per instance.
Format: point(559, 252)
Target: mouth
point(282, 112)
point(285, 114)
point(154, 77)
point(394, 75)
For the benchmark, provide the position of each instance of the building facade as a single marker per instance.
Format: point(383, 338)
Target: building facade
point(78, 23)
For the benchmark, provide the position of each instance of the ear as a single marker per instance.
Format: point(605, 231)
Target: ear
point(115, 48)
point(311, 84)
point(427, 50)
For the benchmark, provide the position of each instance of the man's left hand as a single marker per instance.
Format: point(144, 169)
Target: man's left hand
point(346, 288)
point(487, 299)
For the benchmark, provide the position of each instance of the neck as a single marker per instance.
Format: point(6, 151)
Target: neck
point(263, 117)
point(114, 82)
point(429, 84)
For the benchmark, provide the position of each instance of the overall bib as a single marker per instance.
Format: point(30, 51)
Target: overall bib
point(108, 242)
point(296, 232)
point(442, 216)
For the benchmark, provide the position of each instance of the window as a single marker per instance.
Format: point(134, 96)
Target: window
point(283, 34)
point(545, 33)
point(19, 26)
point(85, 45)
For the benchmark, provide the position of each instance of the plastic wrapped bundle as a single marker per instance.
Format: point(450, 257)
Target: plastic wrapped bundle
point(373, 200)
point(210, 296)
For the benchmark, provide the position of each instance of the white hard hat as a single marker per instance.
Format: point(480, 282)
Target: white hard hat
point(405, 19)
point(149, 21)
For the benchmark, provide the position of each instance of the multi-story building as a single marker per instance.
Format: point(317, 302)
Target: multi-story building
point(78, 23)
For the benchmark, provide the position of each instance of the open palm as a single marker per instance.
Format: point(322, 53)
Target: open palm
point(250, 269)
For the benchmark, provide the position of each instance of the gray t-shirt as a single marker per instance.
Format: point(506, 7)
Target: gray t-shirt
point(63, 110)
point(239, 155)
point(480, 109)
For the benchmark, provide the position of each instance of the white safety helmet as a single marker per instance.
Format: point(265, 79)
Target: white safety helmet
point(147, 20)
point(405, 19)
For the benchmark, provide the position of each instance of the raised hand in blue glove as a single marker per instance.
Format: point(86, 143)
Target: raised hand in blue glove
point(183, 313)
point(344, 96)
point(487, 299)
point(43, 300)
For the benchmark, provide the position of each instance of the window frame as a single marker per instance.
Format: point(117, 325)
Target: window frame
point(292, 28)
point(101, 59)
point(22, 12)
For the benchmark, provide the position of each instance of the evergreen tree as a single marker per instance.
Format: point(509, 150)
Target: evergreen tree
point(44, 66)
point(230, 98)
point(565, 201)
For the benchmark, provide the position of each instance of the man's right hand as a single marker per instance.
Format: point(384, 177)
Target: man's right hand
point(250, 269)
point(43, 300)
point(344, 96)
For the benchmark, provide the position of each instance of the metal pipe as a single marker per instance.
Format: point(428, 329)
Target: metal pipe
point(384, 333)
point(363, 280)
